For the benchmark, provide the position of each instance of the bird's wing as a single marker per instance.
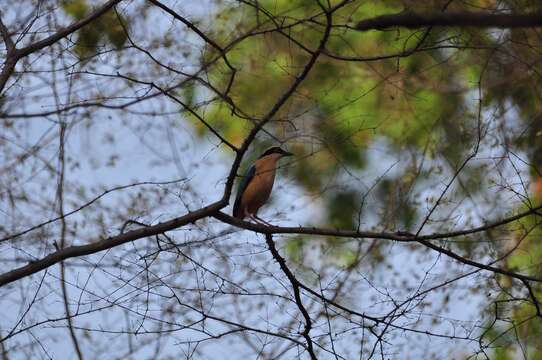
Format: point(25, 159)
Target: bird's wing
point(242, 187)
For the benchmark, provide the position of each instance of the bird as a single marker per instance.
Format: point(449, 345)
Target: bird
point(255, 187)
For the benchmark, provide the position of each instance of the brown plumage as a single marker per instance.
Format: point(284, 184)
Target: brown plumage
point(256, 186)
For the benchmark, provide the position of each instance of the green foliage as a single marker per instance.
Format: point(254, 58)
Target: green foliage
point(338, 215)
point(75, 8)
point(502, 353)
point(525, 237)
point(106, 28)
point(530, 248)
point(295, 249)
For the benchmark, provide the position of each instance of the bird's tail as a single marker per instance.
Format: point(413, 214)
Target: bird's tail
point(237, 213)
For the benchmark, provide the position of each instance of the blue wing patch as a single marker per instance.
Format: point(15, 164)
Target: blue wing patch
point(242, 187)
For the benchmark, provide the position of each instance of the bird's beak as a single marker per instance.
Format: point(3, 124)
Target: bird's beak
point(286, 153)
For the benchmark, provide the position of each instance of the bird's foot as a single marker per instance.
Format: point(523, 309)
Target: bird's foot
point(262, 221)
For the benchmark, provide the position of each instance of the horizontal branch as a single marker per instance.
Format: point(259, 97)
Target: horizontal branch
point(413, 20)
point(262, 229)
point(397, 236)
point(214, 211)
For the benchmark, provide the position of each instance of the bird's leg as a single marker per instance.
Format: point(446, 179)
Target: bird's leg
point(247, 214)
point(250, 216)
point(262, 220)
point(254, 217)
point(257, 220)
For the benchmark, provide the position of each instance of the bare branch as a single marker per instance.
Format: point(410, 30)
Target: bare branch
point(16, 54)
point(4, 32)
point(92, 248)
point(63, 32)
point(400, 236)
point(414, 20)
point(297, 294)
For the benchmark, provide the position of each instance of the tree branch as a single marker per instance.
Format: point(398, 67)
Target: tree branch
point(205, 38)
point(108, 243)
point(402, 237)
point(413, 20)
point(63, 32)
point(214, 211)
point(297, 294)
point(4, 32)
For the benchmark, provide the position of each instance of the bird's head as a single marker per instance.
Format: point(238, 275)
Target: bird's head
point(275, 151)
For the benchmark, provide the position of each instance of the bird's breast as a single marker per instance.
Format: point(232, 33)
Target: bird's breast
point(259, 189)
point(263, 184)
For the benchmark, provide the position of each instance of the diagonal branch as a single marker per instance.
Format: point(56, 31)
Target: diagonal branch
point(536, 302)
point(297, 294)
point(413, 20)
point(10, 59)
point(186, 107)
point(4, 32)
point(205, 38)
point(108, 243)
point(68, 30)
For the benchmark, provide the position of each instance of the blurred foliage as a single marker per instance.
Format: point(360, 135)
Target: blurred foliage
point(503, 336)
point(106, 28)
point(425, 106)
point(423, 102)
point(527, 260)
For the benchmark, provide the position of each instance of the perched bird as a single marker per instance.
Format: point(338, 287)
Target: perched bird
point(256, 185)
